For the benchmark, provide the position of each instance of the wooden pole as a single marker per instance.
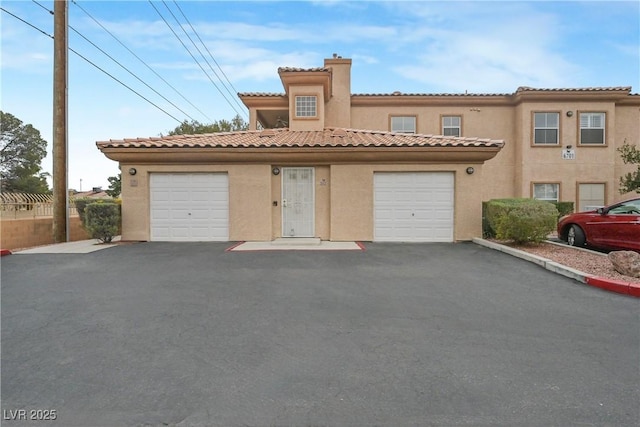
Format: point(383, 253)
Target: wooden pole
point(60, 156)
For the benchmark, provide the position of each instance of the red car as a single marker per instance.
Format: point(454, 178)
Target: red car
point(615, 227)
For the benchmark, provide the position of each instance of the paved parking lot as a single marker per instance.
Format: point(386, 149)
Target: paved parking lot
point(398, 335)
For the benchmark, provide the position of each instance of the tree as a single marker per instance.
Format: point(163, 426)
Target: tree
point(21, 152)
point(631, 181)
point(195, 127)
point(115, 185)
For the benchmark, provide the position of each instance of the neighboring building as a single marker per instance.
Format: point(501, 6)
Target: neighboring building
point(319, 161)
point(94, 193)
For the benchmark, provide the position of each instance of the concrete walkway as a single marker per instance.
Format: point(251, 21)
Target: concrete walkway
point(284, 244)
point(297, 244)
point(79, 247)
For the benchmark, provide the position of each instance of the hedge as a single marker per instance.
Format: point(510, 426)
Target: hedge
point(102, 220)
point(521, 220)
point(81, 206)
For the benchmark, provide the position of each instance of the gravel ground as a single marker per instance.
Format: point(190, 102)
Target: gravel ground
point(590, 262)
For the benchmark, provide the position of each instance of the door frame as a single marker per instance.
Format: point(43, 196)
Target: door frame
point(312, 208)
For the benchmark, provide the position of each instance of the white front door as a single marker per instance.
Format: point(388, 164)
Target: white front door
point(298, 202)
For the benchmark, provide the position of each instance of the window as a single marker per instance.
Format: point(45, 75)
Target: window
point(592, 128)
point(403, 124)
point(306, 106)
point(548, 192)
point(545, 128)
point(590, 196)
point(451, 125)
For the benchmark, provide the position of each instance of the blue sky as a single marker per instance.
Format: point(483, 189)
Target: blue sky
point(409, 46)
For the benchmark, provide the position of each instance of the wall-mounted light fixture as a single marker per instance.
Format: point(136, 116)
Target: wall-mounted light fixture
point(132, 171)
point(569, 113)
point(275, 171)
point(569, 147)
point(470, 170)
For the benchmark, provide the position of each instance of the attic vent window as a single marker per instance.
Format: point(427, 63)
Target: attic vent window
point(306, 106)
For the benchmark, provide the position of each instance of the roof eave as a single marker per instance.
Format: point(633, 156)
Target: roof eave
point(299, 155)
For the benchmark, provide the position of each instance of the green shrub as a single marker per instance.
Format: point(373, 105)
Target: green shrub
point(487, 231)
point(564, 208)
point(102, 220)
point(495, 210)
point(529, 221)
point(81, 206)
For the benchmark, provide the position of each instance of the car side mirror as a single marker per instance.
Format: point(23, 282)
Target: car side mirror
point(601, 211)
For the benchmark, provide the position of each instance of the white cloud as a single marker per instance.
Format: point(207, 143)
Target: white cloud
point(490, 53)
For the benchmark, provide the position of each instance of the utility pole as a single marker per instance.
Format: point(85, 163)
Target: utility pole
point(60, 134)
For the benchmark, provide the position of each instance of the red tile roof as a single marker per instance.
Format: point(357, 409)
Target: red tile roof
point(576, 89)
point(434, 95)
point(301, 70)
point(285, 138)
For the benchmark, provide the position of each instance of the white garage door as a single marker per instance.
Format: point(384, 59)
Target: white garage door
point(189, 207)
point(413, 207)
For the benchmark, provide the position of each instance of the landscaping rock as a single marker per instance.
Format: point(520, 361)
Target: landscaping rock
point(626, 262)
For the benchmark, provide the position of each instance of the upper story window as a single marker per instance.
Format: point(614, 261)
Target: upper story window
point(546, 128)
point(403, 124)
point(451, 125)
point(306, 106)
point(592, 128)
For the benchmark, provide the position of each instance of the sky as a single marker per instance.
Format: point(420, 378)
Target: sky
point(407, 46)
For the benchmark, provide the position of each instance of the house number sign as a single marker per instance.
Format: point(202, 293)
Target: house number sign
point(569, 154)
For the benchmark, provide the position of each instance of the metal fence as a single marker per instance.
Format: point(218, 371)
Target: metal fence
point(24, 205)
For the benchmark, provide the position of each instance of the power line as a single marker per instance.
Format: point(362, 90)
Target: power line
point(214, 60)
point(96, 66)
point(194, 58)
point(141, 60)
point(122, 66)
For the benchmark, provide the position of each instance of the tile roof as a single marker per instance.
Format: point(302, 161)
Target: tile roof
point(434, 95)
point(301, 70)
point(261, 94)
point(431, 94)
point(574, 89)
point(285, 138)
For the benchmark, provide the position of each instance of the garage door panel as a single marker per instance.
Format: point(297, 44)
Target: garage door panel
point(189, 207)
point(180, 195)
point(413, 206)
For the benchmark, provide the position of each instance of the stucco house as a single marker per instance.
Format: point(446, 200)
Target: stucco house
point(319, 161)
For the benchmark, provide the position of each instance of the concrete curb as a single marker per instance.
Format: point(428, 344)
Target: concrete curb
point(625, 288)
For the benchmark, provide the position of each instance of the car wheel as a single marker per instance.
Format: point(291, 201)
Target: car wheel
point(575, 237)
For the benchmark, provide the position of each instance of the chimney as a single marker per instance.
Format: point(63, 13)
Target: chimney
point(338, 110)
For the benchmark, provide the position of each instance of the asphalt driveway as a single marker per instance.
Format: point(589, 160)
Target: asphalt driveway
point(398, 335)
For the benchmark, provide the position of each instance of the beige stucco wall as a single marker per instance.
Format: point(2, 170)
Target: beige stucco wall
point(544, 164)
point(486, 121)
point(30, 232)
point(343, 199)
point(520, 164)
point(249, 199)
point(352, 199)
point(306, 123)
point(338, 109)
